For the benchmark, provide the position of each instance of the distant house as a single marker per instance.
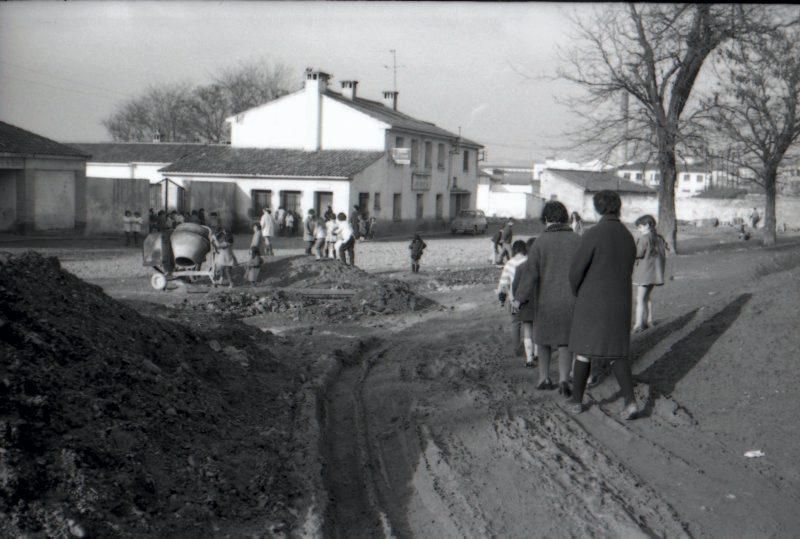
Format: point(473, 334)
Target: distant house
point(575, 189)
point(692, 178)
point(508, 191)
point(42, 183)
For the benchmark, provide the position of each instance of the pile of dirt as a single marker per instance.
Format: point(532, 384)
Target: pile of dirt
point(464, 278)
point(381, 297)
point(119, 424)
point(307, 272)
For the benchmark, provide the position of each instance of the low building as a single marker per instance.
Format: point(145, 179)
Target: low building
point(42, 183)
point(575, 189)
point(508, 192)
point(692, 178)
point(141, 160)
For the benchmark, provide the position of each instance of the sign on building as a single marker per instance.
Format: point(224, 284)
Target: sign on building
point(401, 156)
point(420, 182)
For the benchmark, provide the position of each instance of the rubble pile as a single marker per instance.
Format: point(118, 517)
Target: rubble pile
point(118, 424)
point(306, 272)
point(465, 277)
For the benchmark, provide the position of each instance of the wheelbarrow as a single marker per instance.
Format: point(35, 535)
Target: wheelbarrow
point(179, 254)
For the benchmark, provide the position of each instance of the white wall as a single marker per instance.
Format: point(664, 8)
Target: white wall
point(244, 186)
point(344, 128)
point(277, 124)
point(55, 199)
point(142, 171)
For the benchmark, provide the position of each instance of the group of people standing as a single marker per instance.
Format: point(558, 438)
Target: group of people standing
point(571, 296)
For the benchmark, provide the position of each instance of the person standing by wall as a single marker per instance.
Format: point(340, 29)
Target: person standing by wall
point(600, 278)
point(127, 224)
point(754, 218)
point(280, 220)
point(347, 240)
point(267, 231)
point(136, 227)
point(354, 215)
point(309, 227)
point(546, 278)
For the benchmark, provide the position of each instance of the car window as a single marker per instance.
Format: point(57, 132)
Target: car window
point(467, 213)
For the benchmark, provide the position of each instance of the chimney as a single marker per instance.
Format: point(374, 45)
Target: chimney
point(349, 89)
point(316, 84)
point(390, 99)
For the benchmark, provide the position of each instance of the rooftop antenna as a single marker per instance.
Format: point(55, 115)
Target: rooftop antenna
point(394, 67)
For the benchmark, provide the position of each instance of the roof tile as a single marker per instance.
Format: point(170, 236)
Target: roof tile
point(227, 160)
point(15, 140)
point(594, 181)
point(137, 152)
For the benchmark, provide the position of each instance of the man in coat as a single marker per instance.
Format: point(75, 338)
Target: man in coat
point(600, 278)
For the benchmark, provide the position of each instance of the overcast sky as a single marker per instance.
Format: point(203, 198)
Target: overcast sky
point(65, 66)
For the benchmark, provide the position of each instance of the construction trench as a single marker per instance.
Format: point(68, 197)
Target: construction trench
point(395, 410)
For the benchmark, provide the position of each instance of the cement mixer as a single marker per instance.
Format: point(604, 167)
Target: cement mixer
point(179, 254)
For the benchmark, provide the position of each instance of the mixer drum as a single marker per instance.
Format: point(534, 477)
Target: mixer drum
point(190, 244)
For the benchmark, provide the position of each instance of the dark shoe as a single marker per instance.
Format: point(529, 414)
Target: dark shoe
point(564, 389)
point(546, 385)
point(530, 364)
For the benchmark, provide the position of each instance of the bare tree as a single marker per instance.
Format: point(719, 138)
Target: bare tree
point(650, 56)
point(182, 113)
point(161, 111)
point(756, 108)
point(253, 83)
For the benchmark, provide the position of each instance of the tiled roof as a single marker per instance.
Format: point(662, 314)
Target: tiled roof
point(17, 141)
point(593, 181)
point(396, 118)
point(227, 160)
point(136, 152)
point(514, 178)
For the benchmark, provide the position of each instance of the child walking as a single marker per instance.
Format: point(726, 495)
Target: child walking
point(648, 270)
point(227, 258)
point(254, 265)
point(505, 292)
point(416, 247)
point(320, 235)
point(257, 241)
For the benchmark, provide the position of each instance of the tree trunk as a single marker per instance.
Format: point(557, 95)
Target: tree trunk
point(770, 223)
point(667, 221)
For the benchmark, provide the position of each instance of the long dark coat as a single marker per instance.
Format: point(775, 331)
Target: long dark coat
point(546, 276)
point(600, 277)
point(527, 309)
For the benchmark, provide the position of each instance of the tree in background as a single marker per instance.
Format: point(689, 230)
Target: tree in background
point(756, 108)
point(182, 113)
point(648, 58)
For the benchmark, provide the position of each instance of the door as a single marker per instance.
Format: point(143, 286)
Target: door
point(420, 206)
point(290, 200)
point(396, 206)
point(322, 199)
point(261, 199)
point(363, 203)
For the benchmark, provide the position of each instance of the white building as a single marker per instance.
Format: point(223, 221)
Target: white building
point(317, 147)
point(692, 179)
point(508, 191)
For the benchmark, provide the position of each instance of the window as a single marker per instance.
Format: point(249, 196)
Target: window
point(397, 201)
point(685, 177)
point(420, 208)
point(261, 200)
point(290, 200)
point(655, 177)
point(439, 205)
point(698, 178)
point(398, 142)
point(376, 202)
point(322, 199)
point(414, 151)
point(363, 202)
point(466, 160)
point(638, 176)
point(626, 175)
point(428, 154)
point(440, 157)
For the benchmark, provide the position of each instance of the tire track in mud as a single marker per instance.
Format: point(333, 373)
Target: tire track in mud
point(444, 441)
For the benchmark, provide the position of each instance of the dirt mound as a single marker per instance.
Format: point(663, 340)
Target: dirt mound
point(380, 297)
point(306, 272)
point(465, 277)
point(118, 424)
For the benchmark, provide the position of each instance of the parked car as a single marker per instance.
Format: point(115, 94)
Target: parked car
point(469, 221)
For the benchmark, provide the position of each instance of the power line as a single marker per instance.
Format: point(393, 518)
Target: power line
point(73, 81)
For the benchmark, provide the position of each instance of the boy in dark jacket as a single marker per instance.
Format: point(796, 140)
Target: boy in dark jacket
point(416, 247)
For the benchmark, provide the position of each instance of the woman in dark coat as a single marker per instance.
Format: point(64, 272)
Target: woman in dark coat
point(546, 277)
point(600, 277)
